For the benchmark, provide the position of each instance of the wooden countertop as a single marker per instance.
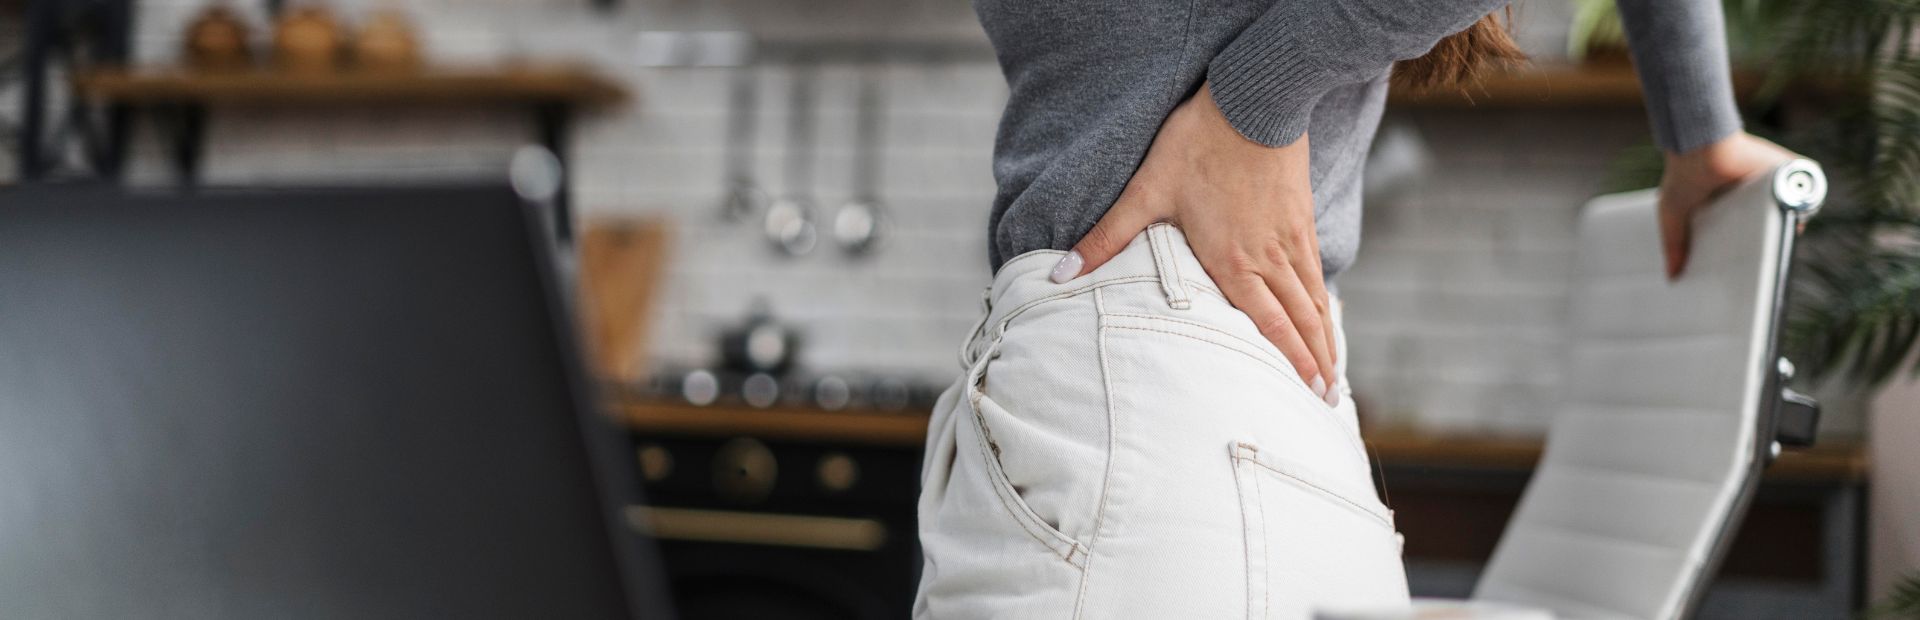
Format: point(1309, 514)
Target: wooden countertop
point(1828, 460)
point(1832, 460)
point(905, 430)
point(532, 84)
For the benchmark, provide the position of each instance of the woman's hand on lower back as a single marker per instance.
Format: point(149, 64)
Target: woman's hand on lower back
point(1247, 211)
point(1694, 178)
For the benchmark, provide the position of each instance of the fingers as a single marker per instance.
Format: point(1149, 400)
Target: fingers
point(1674, 237)
point(1308, 313)
point(1312, 275)
point(1129, 215)
point(1249, 292)
point(1693, 178)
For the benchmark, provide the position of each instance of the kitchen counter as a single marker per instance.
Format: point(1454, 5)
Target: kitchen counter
point(1837, 461)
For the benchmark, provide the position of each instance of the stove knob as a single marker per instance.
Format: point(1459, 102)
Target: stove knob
point(656, 463)
point(744, 471)
point(837, 472)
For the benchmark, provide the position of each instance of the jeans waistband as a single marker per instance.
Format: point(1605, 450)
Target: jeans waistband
point(1158, 254)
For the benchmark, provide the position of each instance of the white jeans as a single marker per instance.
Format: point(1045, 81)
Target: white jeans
point(1127, 445)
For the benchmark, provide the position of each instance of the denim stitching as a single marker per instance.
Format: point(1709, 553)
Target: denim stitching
point(1244, 481)
point(1325, 409)
point(1113, 431)
point(1376, 516)
point(1001, 324)
point(1159, 260)
point(1220, 344)
point(1266, 589)
point(997, 477)
point(1186, 300)
point(1204, 326)
point(973, 335)
point(1160, 247)
point(995, 473)
point(1173, 262)
point(1203, 286)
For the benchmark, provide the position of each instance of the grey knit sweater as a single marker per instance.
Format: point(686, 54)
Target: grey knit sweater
point(1091, 80)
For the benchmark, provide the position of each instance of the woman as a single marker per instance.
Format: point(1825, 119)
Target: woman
point(1154, 423)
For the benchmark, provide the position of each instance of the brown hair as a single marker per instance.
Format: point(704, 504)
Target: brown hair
point(1464, 57)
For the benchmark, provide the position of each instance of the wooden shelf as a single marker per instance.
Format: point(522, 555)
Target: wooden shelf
point(1832, 460)
point(569, 85)
point(1605, 86)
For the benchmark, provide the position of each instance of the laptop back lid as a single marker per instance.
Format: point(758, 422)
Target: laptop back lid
point(344, 404)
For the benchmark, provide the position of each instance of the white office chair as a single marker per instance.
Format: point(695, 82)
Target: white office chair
point(1675, 405)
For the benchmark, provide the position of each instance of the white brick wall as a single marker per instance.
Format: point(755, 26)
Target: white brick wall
point(905, 305)
point(902, 308)
point(1458, 299)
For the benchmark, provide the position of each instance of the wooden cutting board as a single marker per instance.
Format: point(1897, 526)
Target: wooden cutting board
point(622, 265)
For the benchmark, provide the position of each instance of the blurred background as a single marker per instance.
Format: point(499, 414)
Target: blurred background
point(780, 209)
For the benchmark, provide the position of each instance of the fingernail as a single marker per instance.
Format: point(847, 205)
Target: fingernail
point(1319, 387)
point(1333, 396)
point(1068, 268)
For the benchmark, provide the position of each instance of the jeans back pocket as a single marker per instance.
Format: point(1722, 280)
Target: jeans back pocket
point(1309, 548)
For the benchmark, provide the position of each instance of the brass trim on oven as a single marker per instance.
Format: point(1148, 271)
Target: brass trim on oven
point(758, 528)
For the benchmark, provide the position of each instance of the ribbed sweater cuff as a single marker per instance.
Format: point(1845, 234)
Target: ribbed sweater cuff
point(1680, 53)
point(1689, 107)
point(1267, 87)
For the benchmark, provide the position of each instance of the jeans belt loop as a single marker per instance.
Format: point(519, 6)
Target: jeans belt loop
point(1166, 265)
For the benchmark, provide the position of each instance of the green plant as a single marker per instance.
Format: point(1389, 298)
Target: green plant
point(1596, 23)
point(1842, 86)
point(1902, 604)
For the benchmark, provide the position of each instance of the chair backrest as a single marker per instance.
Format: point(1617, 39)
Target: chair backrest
point(1667, 422)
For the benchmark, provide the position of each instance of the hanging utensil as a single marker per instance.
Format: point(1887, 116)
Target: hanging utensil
point(857, 225)
point(744, 201)
point(789, 221)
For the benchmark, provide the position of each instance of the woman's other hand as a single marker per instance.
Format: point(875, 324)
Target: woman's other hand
point(1695, 178)
point(1247, 212)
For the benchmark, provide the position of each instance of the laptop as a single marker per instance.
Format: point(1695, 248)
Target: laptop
point(352, 404)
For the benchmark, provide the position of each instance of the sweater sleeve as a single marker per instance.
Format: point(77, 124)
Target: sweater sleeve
point(1268, 78)
point(1680, 53)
